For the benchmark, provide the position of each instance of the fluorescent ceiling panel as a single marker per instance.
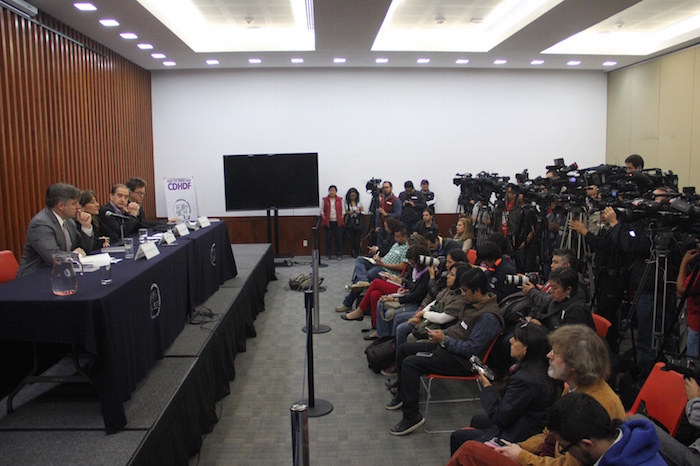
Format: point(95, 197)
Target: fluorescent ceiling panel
point(448, 26)
point(645, 28)
point(236, 25)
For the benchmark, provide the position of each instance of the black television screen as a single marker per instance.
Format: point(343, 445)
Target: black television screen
point(271, 181)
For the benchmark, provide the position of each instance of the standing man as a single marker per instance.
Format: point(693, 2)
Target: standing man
point(427, 194)
point(389, 207)
point(412, 205)
point(54, 229)
point(119, 204)
point(634, 163)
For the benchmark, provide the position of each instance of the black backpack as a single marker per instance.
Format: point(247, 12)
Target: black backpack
point(381, 353)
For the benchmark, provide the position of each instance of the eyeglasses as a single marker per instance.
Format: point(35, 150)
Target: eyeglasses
point(563, 450)
point(139, 194)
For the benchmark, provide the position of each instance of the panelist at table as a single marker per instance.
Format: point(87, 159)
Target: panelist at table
point(54, 229)
point(119, 204)
point(137, 191)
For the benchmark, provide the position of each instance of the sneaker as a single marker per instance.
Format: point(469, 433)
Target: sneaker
point(343, 308)
point(388, 371)
point(340, 258)
point(394, 404)
point(361, 285)
point(406, 427)
point(347, 287)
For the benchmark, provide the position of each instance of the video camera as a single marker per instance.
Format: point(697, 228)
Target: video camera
point(374, 186)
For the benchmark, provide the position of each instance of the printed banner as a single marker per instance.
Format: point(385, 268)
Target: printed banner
point(181, 198)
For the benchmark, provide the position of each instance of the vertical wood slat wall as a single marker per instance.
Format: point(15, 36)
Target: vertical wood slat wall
point(67, 114)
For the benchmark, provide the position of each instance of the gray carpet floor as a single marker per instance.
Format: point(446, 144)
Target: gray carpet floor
point(255, 421)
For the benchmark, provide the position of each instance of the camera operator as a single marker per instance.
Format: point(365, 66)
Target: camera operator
point(412, 205)
point(497, 269)
point(634, 163)
point(692, 302)
point(560, 258)
point(634, 241)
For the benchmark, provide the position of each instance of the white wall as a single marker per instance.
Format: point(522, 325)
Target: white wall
point(393, 124)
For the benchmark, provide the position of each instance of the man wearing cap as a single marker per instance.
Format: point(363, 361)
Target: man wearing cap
point(427, 193)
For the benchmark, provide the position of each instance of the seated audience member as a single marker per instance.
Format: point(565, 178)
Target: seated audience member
point(584, 429)
point(451, 349)
point(693, 300)
point(435, 313)
point(438, 275)
point(671, 450)
point(389, 284)
point(427, 193)
point(390, 226)
point(516, 408)
point(89, 203)
point(427, 223)
point(413, 290)
point(497, 269)
point(55, 229)
point(464, 233)
point(440, 246)
point(565, 308)
point(504, 245)
point(366, 271)
point(119, 204)
point(412, 204)
point(560, 258)
point(579, 358)
point(137, 192)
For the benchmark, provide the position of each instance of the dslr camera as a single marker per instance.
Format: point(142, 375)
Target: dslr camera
point(429, 261)
point(688, 366)
point(480, 368)
point(520, 280)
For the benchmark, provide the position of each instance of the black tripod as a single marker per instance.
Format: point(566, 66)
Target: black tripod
point(572, 239)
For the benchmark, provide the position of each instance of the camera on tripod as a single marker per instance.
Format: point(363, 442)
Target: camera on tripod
point(374, 185)
point(520, 280)
point(429, 261)
point(688, 366)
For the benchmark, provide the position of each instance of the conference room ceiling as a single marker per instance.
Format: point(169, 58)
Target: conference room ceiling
point(510, 34)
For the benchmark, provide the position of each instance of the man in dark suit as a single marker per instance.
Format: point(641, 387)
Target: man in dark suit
point(119, 204)
point(54, 229)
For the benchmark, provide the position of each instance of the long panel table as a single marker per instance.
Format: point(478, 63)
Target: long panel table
point(127, 325)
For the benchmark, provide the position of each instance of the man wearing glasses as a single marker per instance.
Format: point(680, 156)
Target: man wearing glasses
point(583, 428)
point(580, 359)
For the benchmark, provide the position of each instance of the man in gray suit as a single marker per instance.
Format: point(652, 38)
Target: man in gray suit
point(55, 229)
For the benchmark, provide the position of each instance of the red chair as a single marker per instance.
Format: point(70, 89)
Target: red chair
point(431, 377)
point(602, 325)
point(8, 266)
point(664, 396)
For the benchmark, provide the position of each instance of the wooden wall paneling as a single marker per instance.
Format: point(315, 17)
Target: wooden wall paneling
point(675, 113)
point(645, 112)
point(68, 114)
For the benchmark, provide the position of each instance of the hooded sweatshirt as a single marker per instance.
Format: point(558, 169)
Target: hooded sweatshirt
point(637, 446)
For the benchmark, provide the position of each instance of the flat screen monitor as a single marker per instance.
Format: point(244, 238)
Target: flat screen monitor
point(271, 181)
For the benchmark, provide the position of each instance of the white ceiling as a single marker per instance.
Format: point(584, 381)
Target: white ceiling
point(519, 31)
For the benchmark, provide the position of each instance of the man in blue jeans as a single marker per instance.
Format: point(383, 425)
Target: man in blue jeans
point(365, 271)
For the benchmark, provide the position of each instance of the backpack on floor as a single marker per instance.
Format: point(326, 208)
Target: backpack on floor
point(302, 282)
point(381, 353)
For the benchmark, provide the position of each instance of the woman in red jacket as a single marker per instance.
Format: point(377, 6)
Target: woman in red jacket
point(332, 213)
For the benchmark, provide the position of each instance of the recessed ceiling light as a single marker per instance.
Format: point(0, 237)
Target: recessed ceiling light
point(158, 56)
point(476, 21)
point(169, 63)
point(423, 61)
point(254, 61)
point(536, 62)
point(145, 46)
point(440, 21)
point(573, 62)
point(609, 63)
point(212, 62)
point(129, 35)
point(85, 6)
point(500, 62)
point(462, 61)
point(297, 60)
point(339, 60)
point(110, 23)
point(381, 60)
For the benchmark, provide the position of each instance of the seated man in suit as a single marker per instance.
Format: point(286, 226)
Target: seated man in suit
point(137, 191)
point(116, 227)
point(54, 229)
